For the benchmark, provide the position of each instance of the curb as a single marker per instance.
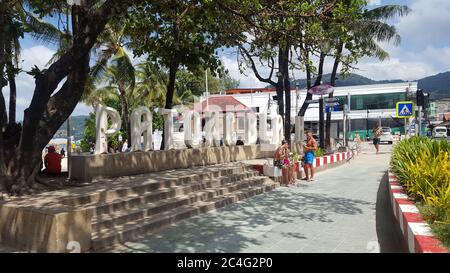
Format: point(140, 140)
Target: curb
point(416, 232)
point(330, 159)
point(321, 163)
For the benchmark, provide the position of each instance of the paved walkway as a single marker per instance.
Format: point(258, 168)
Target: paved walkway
point(336, 213)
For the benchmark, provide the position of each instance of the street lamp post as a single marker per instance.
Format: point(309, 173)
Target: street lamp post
point(367, 123)
point(297, 97)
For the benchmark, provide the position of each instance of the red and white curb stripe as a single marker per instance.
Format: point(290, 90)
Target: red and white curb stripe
point(415, 230)
point(330, 159)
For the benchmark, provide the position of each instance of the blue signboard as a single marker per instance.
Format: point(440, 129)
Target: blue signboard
point(405, 109)
point(332, 107)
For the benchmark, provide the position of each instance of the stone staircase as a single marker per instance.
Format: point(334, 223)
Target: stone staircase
point(127, 211)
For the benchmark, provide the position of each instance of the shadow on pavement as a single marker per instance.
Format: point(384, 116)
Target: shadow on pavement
point(250, 226)
point(389, 234)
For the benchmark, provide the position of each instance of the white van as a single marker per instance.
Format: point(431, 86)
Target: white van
point(387, 135)
point(439, 131)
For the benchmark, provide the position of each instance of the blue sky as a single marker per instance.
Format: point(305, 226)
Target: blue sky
point(424, 51)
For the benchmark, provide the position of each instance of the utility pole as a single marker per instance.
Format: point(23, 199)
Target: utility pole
point(367, 123)
point(321, 123)
point(206, 88)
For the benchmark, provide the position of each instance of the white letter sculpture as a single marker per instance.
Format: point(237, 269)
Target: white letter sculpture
point(277, 129)
point(102, 132)
point(141, 123)
point(168, 127)
point(211, 129)
point(192, 129)
point(263, 137)
point(229, 134)
point(250, 134)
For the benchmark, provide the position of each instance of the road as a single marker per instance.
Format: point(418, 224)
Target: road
point(346, 209)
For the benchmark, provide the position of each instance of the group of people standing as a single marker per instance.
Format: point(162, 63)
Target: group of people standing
point(283, 161)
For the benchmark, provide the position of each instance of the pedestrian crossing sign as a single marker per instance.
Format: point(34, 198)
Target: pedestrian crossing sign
point(405, 109)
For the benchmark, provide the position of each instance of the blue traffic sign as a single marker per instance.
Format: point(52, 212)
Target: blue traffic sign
point(405, 109)
point(332, 107)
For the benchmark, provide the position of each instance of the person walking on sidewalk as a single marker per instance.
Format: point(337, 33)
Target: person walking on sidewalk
point(377, 132)
point(309, 149)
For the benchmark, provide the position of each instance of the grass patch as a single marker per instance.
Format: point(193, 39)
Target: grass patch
point(441, 229)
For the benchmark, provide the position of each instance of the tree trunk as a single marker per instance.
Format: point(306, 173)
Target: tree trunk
point(170, 92)
point(3, 116)
point(331, 95)
point(309, 82)
point(173, 68)
point(12, 92)
point(125, 111)
point(47, 112)
point(287, 92)
point(279, 86)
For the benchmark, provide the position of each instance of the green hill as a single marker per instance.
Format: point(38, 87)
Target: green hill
point(77, 125)
point(438, 85)
point(350, 80)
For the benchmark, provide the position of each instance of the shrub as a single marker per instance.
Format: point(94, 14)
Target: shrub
point(423, 168)
point(319, 152)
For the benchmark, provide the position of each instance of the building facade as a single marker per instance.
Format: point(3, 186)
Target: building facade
point(368, 105)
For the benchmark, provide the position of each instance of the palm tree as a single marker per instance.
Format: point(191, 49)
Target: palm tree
point(151, 83)
point(368, 32)
point(114, 65)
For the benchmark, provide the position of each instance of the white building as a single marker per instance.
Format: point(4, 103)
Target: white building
point(368, 104)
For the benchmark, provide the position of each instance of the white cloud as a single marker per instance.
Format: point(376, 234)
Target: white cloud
point(246, 80)
point(428, 23)
point(424, 51)
point(393, 69)
point(36, 55)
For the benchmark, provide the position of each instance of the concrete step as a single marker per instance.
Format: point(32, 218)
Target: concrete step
point(143, 184)
point(136, 229)
point(120, 217)
point(135, 200)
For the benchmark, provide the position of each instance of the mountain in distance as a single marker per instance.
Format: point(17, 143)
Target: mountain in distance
point(350, 80)
point(77, 126)
point(438, 85)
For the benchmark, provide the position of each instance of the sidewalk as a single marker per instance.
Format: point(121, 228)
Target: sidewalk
point(336, 213)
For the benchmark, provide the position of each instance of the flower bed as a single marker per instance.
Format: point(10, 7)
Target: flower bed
point(422, 167)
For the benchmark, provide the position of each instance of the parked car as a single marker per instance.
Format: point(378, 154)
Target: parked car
point(387, 135)
point(439, 132)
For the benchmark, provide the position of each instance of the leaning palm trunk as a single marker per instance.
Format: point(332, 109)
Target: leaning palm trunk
point(12, 92)
point(125, 111)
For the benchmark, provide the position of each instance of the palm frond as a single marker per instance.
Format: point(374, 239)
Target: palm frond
point(125, 67)
point(375, 49)
point(42, 30)
point(387, 12)
point(378, 30)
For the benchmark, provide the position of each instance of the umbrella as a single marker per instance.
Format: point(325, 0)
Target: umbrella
point(323, 89)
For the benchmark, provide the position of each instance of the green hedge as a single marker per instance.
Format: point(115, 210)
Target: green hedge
point(422, 166)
